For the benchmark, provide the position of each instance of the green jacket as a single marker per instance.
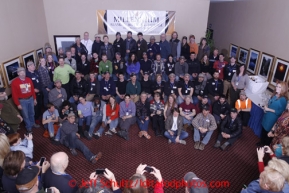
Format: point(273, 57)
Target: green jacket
point(133, 89)
point(103, 67)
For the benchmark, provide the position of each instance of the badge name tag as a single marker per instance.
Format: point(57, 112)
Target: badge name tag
point(126, 113)
point(234, 70)
point(37, 80)
point(118, 45)
point(33, 78)
point(174, 87)
point(237, 83)
point(138, 48)
point(172, 91)
point(213, 83)
point(216, 88)
point(219, 71)
point(186, 91)
point(170, 69)
point(107, 66)
point(229, 74)
point(207, 120)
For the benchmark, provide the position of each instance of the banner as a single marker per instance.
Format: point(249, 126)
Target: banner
point(146, 21)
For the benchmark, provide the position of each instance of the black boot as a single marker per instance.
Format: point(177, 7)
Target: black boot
point(86, 134)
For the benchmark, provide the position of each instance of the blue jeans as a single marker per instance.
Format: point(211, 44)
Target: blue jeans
point(28, 112)
point(45, 94)
point(57, 137)
point(217, 118)
point(95, 120)
point(195, 100)
point(50, 128)
point(118, 99)
point(114, 77)
point(143, 126)
point(182, 136)
point(186, 121)
point(198, 134)
point(112, 125)
point(73, 142)
point(87, 120)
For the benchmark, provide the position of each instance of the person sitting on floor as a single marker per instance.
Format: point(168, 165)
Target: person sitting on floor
point(85, 110)
point(174, 127)
point(157, 114)
point(126, 116)
point(50, 116)
point(110, 116)
point(231, 129)
point(244, 105)
point(97, 114)
point(69, 138)
point(221, 109)
point(204, 125)
point(25, 145)
point(143, 115)
point(270, 181)
point(187, 112)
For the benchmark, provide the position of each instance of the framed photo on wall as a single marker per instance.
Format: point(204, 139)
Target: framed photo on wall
point(10, 69)
point(280, 71)
point(233, 50)
point(252, 62)
point(64, 42)
point(28, 57)
point(265, 65)
point(1, 79)
point(242, 56)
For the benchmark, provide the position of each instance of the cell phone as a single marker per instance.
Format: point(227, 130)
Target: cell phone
point(100, 171)
point(265, 149)
point(149, 169)
point(49, 190)
point(42, 159)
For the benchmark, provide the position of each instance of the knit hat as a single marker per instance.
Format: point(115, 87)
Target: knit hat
point(27, 178)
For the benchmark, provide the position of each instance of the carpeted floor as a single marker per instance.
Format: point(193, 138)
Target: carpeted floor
point(238, 166)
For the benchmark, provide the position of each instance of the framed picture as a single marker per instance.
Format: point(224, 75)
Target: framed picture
point(39, 53)
point(1, 80)
point(253, 61)
point(28, 57)
point(64, 42)
point(233, 50)
point(10, 69)
point(280, 71)
point(242, 56)
point(265, 65)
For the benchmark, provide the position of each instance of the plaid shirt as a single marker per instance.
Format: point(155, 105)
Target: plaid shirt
point(156, 66)
point(44, 76)
point(142, 110)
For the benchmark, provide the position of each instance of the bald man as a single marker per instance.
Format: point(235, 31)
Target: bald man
point(56, 176)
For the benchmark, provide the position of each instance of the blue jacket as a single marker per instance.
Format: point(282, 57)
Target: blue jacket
point(254, 187)
point(107, 88)
point(165, 48)
point(154, 49)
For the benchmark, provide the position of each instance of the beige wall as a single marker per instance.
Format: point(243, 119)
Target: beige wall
point(22, 27)
point(262, 25)
point(72, 17)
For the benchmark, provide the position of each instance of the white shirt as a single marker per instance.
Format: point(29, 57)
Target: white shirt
point(88, 44)
point(175, 124)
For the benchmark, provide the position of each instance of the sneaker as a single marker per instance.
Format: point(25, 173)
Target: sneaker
point(183, 142)
point(169, 141)
point(217, 144)
point(108, 133)
point(197, 144)
point(36, 126)
point(73, 152)
point(96, 157)
point(87, 135)
point(113, 131)
point(96, 135)
point(202, 147)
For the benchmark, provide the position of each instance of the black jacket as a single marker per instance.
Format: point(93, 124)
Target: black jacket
point(171, 88)
point(132, 46)
point(93, 87)
point(200, 88)
point(79, 88)
point(230, 71)
point(156, 86)
point(84, 68)
point(118, 46)
point(82, 49)
point(118, 66)
point(96, 47)
point(214, 87)
point(169, 67)
point(185, 51)
point(235, 129)
point(219, 108)
point(108, 50)
point(194, 66)
point(142, 48)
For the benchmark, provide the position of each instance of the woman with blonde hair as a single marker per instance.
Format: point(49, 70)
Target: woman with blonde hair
point(4, 150)
point(273, 110)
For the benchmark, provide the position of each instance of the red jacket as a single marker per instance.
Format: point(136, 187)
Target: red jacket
point(22, 89)
point(94, 66)
point(220, 66)
point(109, 111)
point(261, 164)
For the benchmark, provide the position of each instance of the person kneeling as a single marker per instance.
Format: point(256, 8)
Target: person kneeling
point(126, 116)
point(69, 138)
point(231, 129)
point(174, 127)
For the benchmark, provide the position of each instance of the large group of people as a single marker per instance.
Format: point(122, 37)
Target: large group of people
point(97, 88)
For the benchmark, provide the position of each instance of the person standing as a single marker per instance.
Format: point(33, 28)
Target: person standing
point(129, 45)
point(96, 44)
point(142, 45)
point(165, 47)
point(118, 45)
point(185, 48)
point(204, 49)
point(193, 45)
point(220, 65)
point(46, 83)
point(107, 49)
point(175, 44)
point(23, 95)
point(153, 48)
point(87, 43)
point(229, 71)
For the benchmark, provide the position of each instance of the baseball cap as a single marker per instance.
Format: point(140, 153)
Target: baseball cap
point(27, 178)
point(233, 110)
point(206, 107)
point(56, 81)
point(242, 93)
point(205, 96)
point(192, 179)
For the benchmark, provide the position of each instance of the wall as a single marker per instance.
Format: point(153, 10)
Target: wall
point(262, 25)
point(22, 28)
point(72, 17)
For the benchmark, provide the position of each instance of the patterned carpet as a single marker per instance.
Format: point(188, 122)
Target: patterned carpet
point(238, 166)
